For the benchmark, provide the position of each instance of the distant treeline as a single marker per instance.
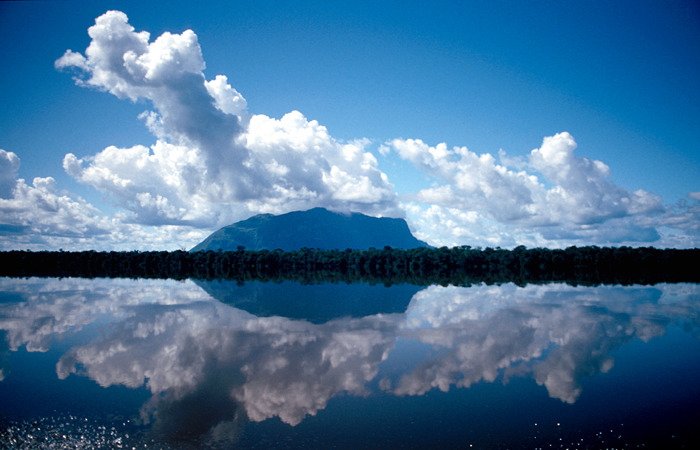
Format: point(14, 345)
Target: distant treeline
point(421, 266)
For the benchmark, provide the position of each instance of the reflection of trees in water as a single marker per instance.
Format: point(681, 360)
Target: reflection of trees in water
point(421, 266)
point(209, 366)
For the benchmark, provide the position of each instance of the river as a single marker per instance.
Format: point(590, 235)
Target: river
point(124, 363)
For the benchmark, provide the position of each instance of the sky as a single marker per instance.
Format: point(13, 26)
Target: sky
point(149, 125)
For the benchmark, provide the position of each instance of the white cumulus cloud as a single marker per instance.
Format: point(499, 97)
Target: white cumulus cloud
point(40, 213)
point(553, 198)
point(40, 216)
point(212, 161)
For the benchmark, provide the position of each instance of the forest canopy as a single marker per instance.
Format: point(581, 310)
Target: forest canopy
point(422, 266)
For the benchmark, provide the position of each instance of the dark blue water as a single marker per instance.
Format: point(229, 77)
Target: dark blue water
point(168, 364)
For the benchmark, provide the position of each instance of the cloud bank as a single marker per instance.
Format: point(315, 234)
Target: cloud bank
point(38, 213)
point(554, 197)
point(213, 162)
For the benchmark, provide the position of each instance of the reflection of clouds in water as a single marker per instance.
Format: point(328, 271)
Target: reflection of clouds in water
point(4, 350)
point(292, 378)
point(556, 333)
point(272, 366)
point(53, 308)
point(209, 365)
point(163, 345)
point(176, 339)
point(205, 415)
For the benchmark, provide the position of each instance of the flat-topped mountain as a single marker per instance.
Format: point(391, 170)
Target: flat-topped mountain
point(315, 228)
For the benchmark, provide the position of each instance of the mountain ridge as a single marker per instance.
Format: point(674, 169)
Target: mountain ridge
point(314, 228)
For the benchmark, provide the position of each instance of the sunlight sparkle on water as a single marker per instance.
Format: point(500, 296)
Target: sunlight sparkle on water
point(67, 432)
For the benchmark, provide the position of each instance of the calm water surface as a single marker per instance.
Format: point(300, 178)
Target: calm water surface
point(160, 364)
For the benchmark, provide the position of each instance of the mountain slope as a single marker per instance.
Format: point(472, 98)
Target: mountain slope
point(315, 228)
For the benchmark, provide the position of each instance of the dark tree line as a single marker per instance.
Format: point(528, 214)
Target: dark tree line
point(421, 266)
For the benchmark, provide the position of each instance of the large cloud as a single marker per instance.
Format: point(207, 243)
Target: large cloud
point(210, 154)
point(554, 197)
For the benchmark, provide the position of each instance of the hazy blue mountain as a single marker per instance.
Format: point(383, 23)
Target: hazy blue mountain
point(315, 228)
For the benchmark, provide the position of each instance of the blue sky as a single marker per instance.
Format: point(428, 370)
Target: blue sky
point(482, 123)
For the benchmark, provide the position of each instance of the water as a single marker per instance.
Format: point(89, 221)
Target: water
point(171, 364)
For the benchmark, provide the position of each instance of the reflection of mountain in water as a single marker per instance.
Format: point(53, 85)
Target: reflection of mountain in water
point(192, 351)
point(316, 303)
